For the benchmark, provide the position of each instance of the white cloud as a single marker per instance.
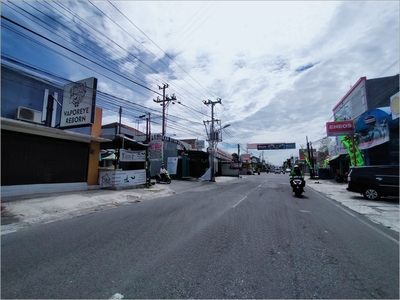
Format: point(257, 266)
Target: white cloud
point(279, 67)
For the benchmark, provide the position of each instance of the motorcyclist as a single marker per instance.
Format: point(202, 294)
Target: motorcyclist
point(296, 172)
point(163, 171)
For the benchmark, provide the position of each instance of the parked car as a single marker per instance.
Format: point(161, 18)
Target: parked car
point(374, 181)
point(288, 170)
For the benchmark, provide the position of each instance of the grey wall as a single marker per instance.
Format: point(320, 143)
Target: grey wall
point(18, 89)
point(380, 90)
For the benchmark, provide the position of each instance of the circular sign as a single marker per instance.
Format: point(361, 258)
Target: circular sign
point(394, 105)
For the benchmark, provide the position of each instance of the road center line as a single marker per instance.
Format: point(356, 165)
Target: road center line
point(117, 296)
point(239, 202)
point(246, 196)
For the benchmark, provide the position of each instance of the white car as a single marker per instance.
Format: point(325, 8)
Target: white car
point(277, 171)
point(288, 170)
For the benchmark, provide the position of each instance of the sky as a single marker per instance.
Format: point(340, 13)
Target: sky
point(279, 67)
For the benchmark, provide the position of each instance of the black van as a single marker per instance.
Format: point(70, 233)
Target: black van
point(374, 181)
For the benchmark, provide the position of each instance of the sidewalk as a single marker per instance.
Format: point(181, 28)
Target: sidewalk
point(19, 212)
point(385, 211)
point(23, 211)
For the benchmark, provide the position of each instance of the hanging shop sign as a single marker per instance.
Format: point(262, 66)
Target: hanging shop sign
point(79, 103)
point(340, 128)
point(129, 155)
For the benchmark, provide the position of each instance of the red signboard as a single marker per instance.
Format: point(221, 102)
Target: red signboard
point(340, 128)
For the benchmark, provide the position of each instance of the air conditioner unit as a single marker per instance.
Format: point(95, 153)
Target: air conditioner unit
point(29, 115)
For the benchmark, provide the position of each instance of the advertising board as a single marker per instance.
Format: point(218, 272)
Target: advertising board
point(79, 101)
point(122, 178)
point(340, 128)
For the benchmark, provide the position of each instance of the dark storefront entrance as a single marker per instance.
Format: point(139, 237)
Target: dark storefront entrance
point(34, 159)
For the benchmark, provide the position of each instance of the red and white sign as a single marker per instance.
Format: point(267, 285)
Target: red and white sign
point(340, 128)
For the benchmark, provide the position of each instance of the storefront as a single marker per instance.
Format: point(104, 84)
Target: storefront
point(38, 159)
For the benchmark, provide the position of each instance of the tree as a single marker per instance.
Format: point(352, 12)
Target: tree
point(235, 157)
point(323, 150)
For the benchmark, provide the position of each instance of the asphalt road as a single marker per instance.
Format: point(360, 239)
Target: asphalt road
point(247, 238)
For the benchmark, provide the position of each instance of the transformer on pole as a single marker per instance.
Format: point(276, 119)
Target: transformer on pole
point(213, 137)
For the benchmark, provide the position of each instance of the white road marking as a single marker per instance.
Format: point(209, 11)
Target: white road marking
point(239, 202)
point(117, 296)
point(246, 196)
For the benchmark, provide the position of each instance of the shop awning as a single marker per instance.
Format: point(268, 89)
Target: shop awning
point(110, 157)
point(40, 129)
point(334, 157)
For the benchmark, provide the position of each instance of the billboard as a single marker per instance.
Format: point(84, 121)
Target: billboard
point(79, 103)
point(276, 146)
point(340, 128)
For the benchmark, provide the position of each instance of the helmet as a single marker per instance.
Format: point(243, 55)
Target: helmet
point(296, 166)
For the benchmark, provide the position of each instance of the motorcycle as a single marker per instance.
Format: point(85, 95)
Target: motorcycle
point(163, 178)
point(298, 185)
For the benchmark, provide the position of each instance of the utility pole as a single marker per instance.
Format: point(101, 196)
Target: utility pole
point(120, 115)
point(310, 159)
point(164, 103)
point(148, 135)
point(213, 136)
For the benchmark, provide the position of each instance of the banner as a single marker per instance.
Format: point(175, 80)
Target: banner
point(129, 155)
point(304, 154)
point(156, 150)
point(276, 146)
point(114, 178)
point(172, 165)
point(377, 135)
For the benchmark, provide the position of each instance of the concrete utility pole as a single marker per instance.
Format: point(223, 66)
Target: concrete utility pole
point(148, 135)
point(165, 102)
point(213, 137)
